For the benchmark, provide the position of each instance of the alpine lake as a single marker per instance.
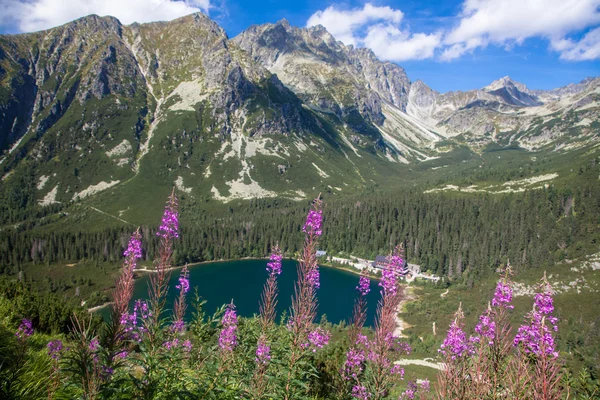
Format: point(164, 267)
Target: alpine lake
point(242, 281)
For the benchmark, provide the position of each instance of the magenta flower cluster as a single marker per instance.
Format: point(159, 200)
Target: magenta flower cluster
point(54, 349)
point(456, 344)
point(184, 281)
point(503, 295)
point(130, 321)
point(413, 388)
point(94, 344)
point(397, 370)
point(169, 227)
point(396, 263)
point(313, 277)
point(263, 353)
point(354, 365)
point(317, 339)
point(228, 338)
point(314, 222)
point(25, 329)
point(187, 346)
point(134, 248)
point(364, 285)
point(536, 337)
point(486, 327)
point(360, 392)
point(274, 264)
point(388, 282)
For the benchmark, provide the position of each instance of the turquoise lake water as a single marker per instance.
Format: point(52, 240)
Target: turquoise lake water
point(242, 281)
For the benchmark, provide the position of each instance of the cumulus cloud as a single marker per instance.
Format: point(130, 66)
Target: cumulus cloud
point(504, 23)
point(510, 22)
point(588, 48)
point(34, 15)
point(378, 28)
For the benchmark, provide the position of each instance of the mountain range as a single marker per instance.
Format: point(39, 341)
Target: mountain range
point(95, 106)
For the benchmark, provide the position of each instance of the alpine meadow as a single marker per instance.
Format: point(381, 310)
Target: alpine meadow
point(285, 214)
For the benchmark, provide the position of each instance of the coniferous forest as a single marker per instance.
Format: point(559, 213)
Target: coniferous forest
point(444, 233)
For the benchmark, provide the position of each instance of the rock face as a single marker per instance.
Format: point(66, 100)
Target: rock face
point(276, 108)
point(352, 83)
point(410, 116)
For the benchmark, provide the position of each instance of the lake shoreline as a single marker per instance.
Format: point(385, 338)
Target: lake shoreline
point(145, 270)
point(326, 265)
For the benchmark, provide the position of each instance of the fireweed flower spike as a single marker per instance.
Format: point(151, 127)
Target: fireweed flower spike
point(263, 353)
point(180, 304)
point(169, 227)
point(158, 287)
point(364, 285)
point(268, 302)
point(274, 264)
point(54, 349)
point(124, 286)
point(24, 330)
point(304, 300)
point(382, 373)
point(228, 337)
point(456, 345)
point(535, 336)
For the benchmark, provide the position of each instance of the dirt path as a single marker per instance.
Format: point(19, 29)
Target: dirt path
point(422, 363)
point(101, 306)
point(401, 325)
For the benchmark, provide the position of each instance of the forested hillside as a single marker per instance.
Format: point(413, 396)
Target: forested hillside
point(446, 233)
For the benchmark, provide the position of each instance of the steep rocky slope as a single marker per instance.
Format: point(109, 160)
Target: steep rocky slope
point(95, 106)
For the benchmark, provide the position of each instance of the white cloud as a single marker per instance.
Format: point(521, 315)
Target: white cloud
point(510, 22)
point(36, 15)
point(390, 43)
point(588, 48)
point(505, 23)
point(377, 28)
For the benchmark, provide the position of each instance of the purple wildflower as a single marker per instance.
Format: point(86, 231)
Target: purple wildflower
point(487, 326)
point(456, 344)
point(425, 385)
point(274, 266)
point(142, 307)
point(25, 329)
point(94, 344)
point(134, 248)
point(396, 263)
point(410, 391)
point(54, 349)
point(263, 353)
point(178, 326)
point(184, 281)
point(360, 393)
point(313, 277)
point(314, 222)
point(362, 340)
point(388, 282)
point(169, 345)
point(122, 354)
point(187, 346)
point(353, 366)
point(169, 226)
point(318, 338)
point(228, 338)
point(535, 336)
point(544, 303)
point(397, 370)
point(503, 295)
point(364, 285)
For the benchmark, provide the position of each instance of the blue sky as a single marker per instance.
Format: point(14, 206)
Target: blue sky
point(449, 44)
